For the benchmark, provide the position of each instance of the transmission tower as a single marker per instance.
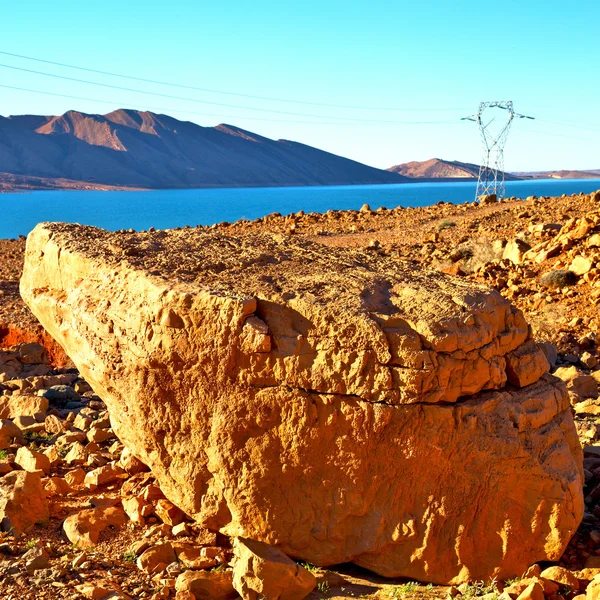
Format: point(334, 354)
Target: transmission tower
point(494, 132)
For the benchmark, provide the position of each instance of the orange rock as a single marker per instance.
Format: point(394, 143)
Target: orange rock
point(75, 478)
point(83, 529)
point(593, 589)
point(206, 585)
point(32, 461)
point(263, 571)
point(131, 463)
point(533, 591)
point(103, 476)
point(133, 507)
point(375, 375)
point(56, 486)
point(22, 501)
point(156, 558)
point(562, 576)
point(52, 424)
point(168, 513)
point(23, 405)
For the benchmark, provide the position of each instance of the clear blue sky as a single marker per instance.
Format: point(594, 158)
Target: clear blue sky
point(542, 54)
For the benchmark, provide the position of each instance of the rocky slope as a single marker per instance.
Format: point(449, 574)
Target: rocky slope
point(436, 168)
point(133, 149)
point(489, 244)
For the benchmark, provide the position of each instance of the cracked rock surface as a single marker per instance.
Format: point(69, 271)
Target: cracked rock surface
point(332, 402)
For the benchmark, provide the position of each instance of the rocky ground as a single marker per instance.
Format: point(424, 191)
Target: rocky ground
point(108, 532)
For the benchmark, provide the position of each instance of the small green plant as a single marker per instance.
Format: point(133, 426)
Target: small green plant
point(39, 437)
point(479, 588)
point(3, 455)
point(32, 544)
point(129, 556)
point(323, 588)
point(310, 568)
point(401, 591)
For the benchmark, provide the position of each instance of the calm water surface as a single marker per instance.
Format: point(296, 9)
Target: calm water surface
point(174, 208)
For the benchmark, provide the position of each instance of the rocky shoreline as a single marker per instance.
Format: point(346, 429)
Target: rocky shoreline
point(105, 511)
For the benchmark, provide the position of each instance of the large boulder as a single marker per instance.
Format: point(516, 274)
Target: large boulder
point(330, 402)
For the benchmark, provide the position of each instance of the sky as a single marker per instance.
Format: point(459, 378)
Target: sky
point(381, 82)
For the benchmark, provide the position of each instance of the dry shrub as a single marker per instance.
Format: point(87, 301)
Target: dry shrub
point(559, 279)
point(481, 251)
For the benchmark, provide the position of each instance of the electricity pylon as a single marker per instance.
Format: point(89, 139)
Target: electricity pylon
point(491, 170)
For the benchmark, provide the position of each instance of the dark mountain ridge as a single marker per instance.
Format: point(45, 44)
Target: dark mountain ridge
point(129, 148)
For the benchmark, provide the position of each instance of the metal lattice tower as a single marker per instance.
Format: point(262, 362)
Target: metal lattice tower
point(493, 133)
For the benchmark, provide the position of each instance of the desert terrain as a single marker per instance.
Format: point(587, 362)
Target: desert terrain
point(112, 524)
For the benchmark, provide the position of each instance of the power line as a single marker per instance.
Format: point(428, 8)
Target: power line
point(570, 137)
point(213, 91)
point(344, 119)
point(189, 112)
point(106, 85)
point(573, 124)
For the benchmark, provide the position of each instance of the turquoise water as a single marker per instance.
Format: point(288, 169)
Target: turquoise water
point(175, 208)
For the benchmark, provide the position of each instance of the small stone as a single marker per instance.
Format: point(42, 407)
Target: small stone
point(32, 461)
point(180, 530)
point(168, 512)
point(56, 486)
point(533, 591)
point(35, 559)
point(581, 265)
point(588, 360)
point(260, 570)
point(84, 528)
point(156, 558)
point(75, 478)
point(104, 476)
point(60, 394)
point(562, 576)
point(133, 507)
point(213, 585)
point(53, 424)
point(131, 463)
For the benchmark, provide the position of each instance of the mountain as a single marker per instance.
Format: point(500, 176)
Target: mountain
point(436, 168)
point(564, 174)
point(133, 149)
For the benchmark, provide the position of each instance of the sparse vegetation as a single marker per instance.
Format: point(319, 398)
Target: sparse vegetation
point(3, 455)
point(479, 588)
point(310, 568)
point(323, 588)
point(39, 437)
point(129, 556)
point(402, 591)
point(445, 224)
point(559, 279)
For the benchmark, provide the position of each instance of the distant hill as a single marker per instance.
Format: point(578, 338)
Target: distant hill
point(132, 149)
point(593, 174)
point(436, 168)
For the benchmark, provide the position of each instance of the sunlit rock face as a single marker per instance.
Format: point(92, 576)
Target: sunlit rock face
point(335, 403)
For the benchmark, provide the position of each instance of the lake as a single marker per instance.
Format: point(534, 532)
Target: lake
point(175, 208)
